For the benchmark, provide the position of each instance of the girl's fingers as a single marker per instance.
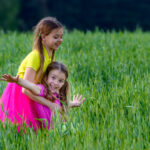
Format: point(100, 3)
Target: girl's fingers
point(9, 76)
point(5, 76)
point(80, 97)
point(2, 79)
point(77, 96)
point(73, 97)
point(82, 101)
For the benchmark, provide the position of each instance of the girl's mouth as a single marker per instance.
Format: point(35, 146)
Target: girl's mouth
point(53, 89)
point(57, 44)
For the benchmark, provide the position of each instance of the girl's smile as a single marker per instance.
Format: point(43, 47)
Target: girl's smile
point(53, 40)
point(56, 80)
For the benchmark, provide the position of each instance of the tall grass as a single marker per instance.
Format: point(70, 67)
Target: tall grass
point(110, 69)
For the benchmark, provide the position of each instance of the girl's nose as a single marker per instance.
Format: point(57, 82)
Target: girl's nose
point(55, 82)
point(60, 40)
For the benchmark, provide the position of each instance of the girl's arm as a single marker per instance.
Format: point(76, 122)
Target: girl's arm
point(30, 76)
point(43, 101)
point(77, 101)
point(31, 88)
point(24, 83)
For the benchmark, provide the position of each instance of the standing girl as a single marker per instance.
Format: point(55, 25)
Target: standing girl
point(54, 86)
point(17, 100)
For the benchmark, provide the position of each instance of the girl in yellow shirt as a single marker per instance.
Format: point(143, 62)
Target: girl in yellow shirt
point(17, 100)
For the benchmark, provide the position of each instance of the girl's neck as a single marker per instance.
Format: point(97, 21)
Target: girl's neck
point(49, 51)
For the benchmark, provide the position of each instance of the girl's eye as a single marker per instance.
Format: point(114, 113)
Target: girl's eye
point(61, 81)
point(53, 77)
point(55, 37)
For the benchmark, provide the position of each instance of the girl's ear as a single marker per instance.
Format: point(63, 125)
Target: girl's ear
point(43, 37)
point(45, 78)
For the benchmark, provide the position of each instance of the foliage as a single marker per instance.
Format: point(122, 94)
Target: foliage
point(112, 70)
point(9, 10)
point(22, 15)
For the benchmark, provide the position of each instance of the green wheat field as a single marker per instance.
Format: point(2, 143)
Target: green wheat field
point(110, 69)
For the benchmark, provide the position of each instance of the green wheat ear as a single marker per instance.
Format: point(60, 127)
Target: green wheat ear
point(2, 106)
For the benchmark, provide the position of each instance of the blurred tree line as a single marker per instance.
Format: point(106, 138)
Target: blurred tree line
point(22, 15)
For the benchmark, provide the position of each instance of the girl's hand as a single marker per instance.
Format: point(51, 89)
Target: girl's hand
point(53, 106)
point(77, 101)
point(10, 78)
point(51, 97)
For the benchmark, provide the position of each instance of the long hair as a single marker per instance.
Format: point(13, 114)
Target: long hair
point(64, 91)
point(44, 27)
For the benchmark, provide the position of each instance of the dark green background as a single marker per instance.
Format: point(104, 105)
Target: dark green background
point(22, 15)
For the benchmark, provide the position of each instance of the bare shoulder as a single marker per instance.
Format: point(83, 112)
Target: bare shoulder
point(29, 74)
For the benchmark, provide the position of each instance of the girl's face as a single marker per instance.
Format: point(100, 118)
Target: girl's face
point(53, 40)
point(56, 80)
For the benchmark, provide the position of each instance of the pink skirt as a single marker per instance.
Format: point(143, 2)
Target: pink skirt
point(19, 108)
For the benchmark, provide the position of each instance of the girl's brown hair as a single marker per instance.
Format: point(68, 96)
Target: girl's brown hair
point(64, 91)
point(44, 27)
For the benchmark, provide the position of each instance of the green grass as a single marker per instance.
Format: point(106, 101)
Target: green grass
point(110, 69)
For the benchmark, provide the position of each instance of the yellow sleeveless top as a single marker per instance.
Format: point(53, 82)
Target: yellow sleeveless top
point(32, 60)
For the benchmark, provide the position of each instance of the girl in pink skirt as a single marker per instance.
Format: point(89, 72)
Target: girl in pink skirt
point(54, 86)
point(21, 102)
